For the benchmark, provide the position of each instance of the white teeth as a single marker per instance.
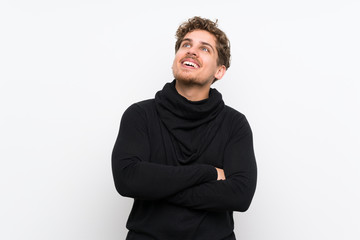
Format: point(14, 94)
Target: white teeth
point(191, 64)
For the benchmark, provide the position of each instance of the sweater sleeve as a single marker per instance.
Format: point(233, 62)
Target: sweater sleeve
point(136, 177)
point(236, 192)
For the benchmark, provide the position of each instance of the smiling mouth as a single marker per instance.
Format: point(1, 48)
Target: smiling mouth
point(190, 64)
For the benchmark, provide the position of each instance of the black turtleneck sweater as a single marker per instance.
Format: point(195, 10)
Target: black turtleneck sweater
point(165, 158)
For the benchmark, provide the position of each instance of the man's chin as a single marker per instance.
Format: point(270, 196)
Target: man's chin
point(187, 81)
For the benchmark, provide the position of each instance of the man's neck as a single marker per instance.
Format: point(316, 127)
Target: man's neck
point(192, 92)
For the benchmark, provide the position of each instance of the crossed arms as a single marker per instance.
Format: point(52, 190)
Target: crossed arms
point(197, 186)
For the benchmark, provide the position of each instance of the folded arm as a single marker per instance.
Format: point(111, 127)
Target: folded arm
point(235, 193)
point(136, 177)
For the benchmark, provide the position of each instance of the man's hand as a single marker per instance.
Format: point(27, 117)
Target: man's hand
point(220, 174)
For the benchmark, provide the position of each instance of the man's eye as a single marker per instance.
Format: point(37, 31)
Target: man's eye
point(186, 45)
point(205, 49)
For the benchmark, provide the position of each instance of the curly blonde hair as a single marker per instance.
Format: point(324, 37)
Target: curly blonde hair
point(198, 23)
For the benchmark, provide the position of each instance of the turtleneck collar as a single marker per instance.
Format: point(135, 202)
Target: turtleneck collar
point(192, 124)
point(170, 100)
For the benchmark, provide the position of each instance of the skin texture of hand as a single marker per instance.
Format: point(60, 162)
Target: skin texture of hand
point(221, 174)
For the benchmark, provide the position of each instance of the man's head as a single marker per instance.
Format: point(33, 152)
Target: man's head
point(201, 42)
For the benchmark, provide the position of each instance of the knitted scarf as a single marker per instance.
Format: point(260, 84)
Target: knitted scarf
point(192, 124)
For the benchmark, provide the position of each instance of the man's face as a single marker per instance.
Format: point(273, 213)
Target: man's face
point(196, 59)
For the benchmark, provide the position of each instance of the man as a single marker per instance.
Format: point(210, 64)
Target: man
point(185, 157)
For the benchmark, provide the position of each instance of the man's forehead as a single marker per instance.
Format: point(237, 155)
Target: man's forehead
point(200, 36)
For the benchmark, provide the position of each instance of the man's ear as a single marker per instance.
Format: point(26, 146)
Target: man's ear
point(220, 72)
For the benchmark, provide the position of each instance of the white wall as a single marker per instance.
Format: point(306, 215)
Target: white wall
point(69, 69)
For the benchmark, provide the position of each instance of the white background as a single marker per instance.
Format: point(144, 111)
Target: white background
point(70, 68)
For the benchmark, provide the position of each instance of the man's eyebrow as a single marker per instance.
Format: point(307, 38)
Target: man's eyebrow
point(203, 43)
point(187, 39)
point(208, 44)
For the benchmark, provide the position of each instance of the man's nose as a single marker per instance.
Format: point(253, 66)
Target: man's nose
point(192, 51)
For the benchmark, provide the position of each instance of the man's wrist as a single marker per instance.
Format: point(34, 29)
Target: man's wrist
point(220, 174)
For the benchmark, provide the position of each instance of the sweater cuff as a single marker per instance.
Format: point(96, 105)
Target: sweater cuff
point(211, 173)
